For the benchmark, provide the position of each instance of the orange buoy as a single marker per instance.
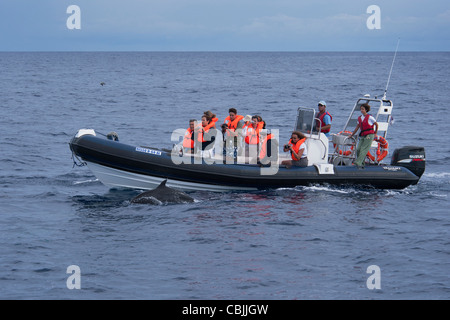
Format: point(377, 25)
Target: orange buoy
point(382, 149)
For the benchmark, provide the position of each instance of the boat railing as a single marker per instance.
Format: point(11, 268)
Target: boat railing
point(344, 149)
point(381, 110)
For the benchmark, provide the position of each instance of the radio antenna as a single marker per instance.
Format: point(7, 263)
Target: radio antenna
point(390, 72)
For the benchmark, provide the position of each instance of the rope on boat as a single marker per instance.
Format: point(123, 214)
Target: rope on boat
point(77, 162)
point(80, 162)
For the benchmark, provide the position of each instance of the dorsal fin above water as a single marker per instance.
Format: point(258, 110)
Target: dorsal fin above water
point(163, 184)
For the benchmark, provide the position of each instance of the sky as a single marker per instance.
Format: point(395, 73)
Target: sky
point(224, 25)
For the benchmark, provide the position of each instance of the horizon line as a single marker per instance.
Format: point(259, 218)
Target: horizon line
point(222, 51)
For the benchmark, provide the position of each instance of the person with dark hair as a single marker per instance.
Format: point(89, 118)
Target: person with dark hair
point(324, 119)
point(207, 131)
point(369, 128)
point(299, 152)
point(233, 121)
point(188, 140)
point(252, 137)
point(268, 151)
point(234, 125)
point(260, 119)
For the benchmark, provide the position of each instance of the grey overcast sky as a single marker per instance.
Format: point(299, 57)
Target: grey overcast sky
point(224, 25)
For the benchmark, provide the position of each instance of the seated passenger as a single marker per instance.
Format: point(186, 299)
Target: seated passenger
point(188, 140)
point(211, 118)
point(299, 153)
point(269, 149)
point(247, 121)
point(234, 125)
point(225, 138)
point(263, 126)
point(233, 121)
point(251, 133)
point(207, 131)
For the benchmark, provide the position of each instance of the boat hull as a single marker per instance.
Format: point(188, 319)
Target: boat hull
point(120, 165)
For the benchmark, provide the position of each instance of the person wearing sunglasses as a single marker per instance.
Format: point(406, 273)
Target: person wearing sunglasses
point(324, 119)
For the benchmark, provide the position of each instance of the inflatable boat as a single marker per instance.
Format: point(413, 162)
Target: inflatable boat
point(120, 165)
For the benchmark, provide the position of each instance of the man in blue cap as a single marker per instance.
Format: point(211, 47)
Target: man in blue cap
point(325, 118)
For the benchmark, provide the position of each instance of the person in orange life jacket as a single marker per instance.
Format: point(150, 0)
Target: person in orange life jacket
point(241, 132)
point(324, 119)
point(369, 128)
point(234, 128)
point(252, 131)
point(247, 121)
point(252, 136)
point(263, 126)
point(299, 152)
point(211, 116)
point(233, 120)
point(207, 130)
point(269, 149)
point(188, 141)
point(226, 138)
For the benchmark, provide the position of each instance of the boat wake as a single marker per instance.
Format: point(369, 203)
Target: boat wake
point(85, 181)
point(439, 175)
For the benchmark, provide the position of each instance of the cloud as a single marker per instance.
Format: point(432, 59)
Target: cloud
point(222, 25)
point(287, 26)
point(443, 18)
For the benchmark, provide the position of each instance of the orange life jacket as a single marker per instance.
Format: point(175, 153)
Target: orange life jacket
point(211, 124)
point(252, 135)
point(263, 151)
point(296, 147)
point(188, 141)
point(232, 125)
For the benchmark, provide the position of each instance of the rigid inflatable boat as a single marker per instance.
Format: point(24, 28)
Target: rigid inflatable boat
point(120, 165)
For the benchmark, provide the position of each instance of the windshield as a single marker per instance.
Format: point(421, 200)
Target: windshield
point(306, 121)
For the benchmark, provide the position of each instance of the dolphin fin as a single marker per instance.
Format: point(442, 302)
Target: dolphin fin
point(163, 184)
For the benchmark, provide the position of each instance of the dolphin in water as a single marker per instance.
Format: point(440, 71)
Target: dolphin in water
point(162, 195)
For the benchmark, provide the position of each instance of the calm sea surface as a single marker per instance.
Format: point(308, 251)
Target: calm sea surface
point(312, 242)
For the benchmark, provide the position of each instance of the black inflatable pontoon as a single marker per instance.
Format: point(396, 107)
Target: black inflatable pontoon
point(121, 165)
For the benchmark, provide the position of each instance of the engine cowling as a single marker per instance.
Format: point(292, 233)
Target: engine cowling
point(410, 157)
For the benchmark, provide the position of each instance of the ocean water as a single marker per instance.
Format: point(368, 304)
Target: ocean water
point(315, 242)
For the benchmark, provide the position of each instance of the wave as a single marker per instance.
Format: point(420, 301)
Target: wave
point(437, 175)
point(360, 191)
point(85, 181)
point(328, 188)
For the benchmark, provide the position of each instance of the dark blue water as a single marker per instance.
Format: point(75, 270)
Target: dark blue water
point(302, 243)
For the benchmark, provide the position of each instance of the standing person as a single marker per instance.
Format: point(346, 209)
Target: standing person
point(369, 128)
point(325, 118)
point(299, 152)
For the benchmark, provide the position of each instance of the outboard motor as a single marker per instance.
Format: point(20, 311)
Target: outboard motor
point(410, 157)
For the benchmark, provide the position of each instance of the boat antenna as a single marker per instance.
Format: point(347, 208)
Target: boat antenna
point(390, 72)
